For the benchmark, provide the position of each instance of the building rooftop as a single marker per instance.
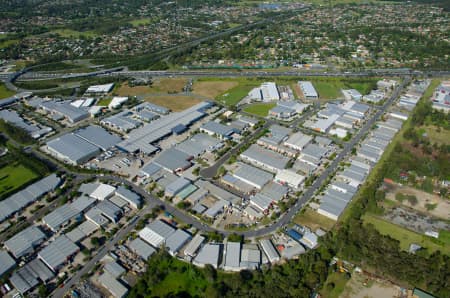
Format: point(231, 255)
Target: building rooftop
point(173, 160)
point(57, 252)
point(141, 248)
point(114, 269)
point(253, 176)
point(209, 254)
point(232, 255)
point(24, 241)
point(194, 245)
point(116, 288)
point(298, 141)
point(98, 136)
point(177, 240)
point(72, 148)
point(218, 129)
point(6, 262)
point(156, 232)
point(265, 157)
point(308, 89)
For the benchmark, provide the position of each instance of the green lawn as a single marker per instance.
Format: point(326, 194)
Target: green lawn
point(4, 92)
point(13, 177)
point(332, 89)
point(334, 285)
point(140, 22)
point(236, 94)
point(67, 33)
point(104, 102)
point(406, 237)
point(259, 109)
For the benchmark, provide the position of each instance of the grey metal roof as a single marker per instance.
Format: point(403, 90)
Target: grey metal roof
point(194, 245)
point(128, 195)
point(31, 275)
point(274, 191)
point(24, 241)
point(152, 107)
point(332, 205)
point(346, 197)
point(347, 187)
point(6, 262)
point(65, 109)
point(73, 148)
point(267, 158)
point(276, 135)
point(218, 192)
point(14, 118)
point(217, 128)
point(308, 89)
point(172, 160)
point(114, 269)
point(198, 144)
point(352, 175)
point(232, 255)
point(216, 208)
point(298, 140)
point(66, 212)
point(111, 211)
point(57, 252)
point(141, 248)
point(121, 121)
point(314, 151)
point(177, 240)
point(117, 289)
point(98, 136)
point(261, 201)
point(252, 175)
point(209, 254)
point(143, 138)
point(150, 169)
point(177, 186)
point(162, 228)
point(270, 250)
point(27, 196)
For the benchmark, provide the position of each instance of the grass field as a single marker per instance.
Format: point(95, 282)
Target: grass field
point(332, 89)
point(7, 43)
point(166, 85)
point(69, 33)
point(104, 102)
point(140, 22)
point(437, 135)
point(259, 109)
point(404, 236)
point(212, 89)
point(4, 92)
point(174, 102)
point(236, 94)
point(334, 285)
point(314, 220)
point(13, 177)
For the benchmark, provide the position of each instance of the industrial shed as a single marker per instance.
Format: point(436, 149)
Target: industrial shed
point(209, 254)
point(141, 248)
point(25, 241)
point(265, 158)
point(58, 252)
point(253, 176)
point(177, 240)
point(30, 275)
point(6, 262)
point(156, 233)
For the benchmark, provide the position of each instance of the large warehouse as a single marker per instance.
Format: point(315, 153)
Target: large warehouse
point(80, 146)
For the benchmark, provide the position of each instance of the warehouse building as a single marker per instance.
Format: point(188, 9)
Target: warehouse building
point(218, 192)
point(100, 89)
point(121, 122)
point(276, 135)
point(72, 149)
point(61, 216)
point(6, 262)
point(98, 136)
point(264, 158)
point(25, 242)
point(156, 233)
point(218, 130)
point(298, 141)
point(270, 250)
point(351, 94)
point(261, 202)
point(115, 288)
point(114, 269)
point(199, 144)
point(274, 191)
point(176, 241)
point(266, 92)
point(25, 197)
point(82, 231)
point(282, 113)
point(142, 139)
point(132, 198)
point(209, 254)
point(289, 177)
point(232, 256)
point(313, 154)
point(102, 192)
point(152, 108)
point(250, 257)
point(141, 248)
point(193, 246)
point(31, 275)
point(177, 186)
point(173, 160)
point(252, 176)
point(58, 252)
point(110, 211)
point(34, 130)
point(331, 207)
point(308, 90)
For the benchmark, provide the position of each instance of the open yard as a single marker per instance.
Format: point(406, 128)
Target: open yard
point(437, 135)
point(314, 220)
point(73, 34)
point(334, 285)
point(236, 94)
point(104, 102)
point(4, 92)
point(404, 236)
point(442, 206)
point(363, 286)
point(259, 109)
point(174, 102)
point(165, 85)
point(13, 177)
point(140, 22)
point(212, 89)
point(332, 89)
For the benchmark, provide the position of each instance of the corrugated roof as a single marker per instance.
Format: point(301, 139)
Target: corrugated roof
point(141, 248)
point(6, 262)
point(56, 253)
point(98, 136)
point(73, 148)
point(252, 175)
point(208, 254)
point(232, 255)
point(177, 240)
point(24, 241)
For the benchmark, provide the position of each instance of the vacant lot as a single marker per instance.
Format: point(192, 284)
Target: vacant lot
point(212, 89)
point(404, 236)
point(104, 102)
point(140, 22)
point(69, 33)
point(236, 94)
point(259, 109)
point(334, 285)
point(363, 286)
point(165, 85)
point(174, 102)
point(442, 206)
point(314, 220)
point(13, 177)
point(437, 135)
point(4, 92)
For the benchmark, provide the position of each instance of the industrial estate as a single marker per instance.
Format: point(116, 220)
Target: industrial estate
point(172, 183)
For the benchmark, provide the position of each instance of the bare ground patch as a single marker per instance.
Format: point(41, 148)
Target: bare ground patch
point(212, 89)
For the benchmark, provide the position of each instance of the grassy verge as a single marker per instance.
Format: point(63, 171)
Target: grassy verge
point(13, 176)
point(313, 220)
point(260, 109)
point(334, 285)
point(104, 102)
point(404, 236)
point(4, 92)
